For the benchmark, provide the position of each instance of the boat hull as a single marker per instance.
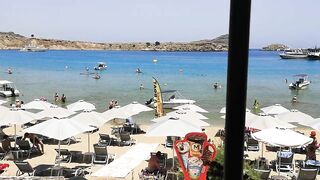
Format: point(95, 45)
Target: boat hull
point(289, 56)
point(294, 86)
point(9, 94)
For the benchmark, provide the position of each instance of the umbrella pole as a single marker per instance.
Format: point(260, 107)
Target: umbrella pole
point(15, 136)
point(88, 142)
point(59, 153)
point(279, 161)
point(174, 139)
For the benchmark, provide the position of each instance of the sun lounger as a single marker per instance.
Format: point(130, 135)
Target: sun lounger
point(105, 140)
point(25, 148)
point(24, 168)
point(125, 139)
point(284, 161)
point(65, 156)
point(101, 154)
point(2, 153)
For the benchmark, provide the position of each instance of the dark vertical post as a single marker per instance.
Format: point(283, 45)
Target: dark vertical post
point(239, 29)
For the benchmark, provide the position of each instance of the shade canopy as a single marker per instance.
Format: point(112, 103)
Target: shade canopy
point(186, 114)
point(59, 129)
point(126, 111)
point(80, 106)
point(265, 122)
point(172, 127)
point(314, 124)
point(295, 116)
point(194, 121)
point(37, 104)
point(274, 109)
point(92, 118)
point(191, 107)
point(281, 137)
point(55, 111)
point(15, 116)
point(223, 110)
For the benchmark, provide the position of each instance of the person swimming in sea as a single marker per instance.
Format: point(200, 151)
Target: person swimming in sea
point(96, 76)
point(138, 70)
point(9, 70)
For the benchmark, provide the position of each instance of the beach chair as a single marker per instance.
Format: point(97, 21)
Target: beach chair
point(284, 161)
point(65, 156)
point(125, 139)
point(25, 148)
point(307, 174)
point(264, 174)
point(252, 144)
point(105, 140)
point(101, 154)
point(23, 168)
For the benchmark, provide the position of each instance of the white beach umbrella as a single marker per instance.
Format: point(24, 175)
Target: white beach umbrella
point(55, 111)
point(281, 137)
point(37, 104)
point(186, 114)
point(59, 129)
point(274, 109)
point(223, 110)
point(191, 107)
point(249, 116)
point(135, 108)
point(172, 127)
point(2, 101)
point(90, 118)
point(315, 124)
point(80, 106)
point(266, 122)
point(194, 121)
point(126, 111)
point(295, 116)
point(15, 117)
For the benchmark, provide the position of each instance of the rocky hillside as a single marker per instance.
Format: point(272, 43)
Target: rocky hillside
point(275, 47)
point(10, 40)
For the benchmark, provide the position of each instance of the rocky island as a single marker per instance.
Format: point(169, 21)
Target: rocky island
point(11, 40)
point(275, 47)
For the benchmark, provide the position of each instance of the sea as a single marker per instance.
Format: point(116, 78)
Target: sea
point(192, 74)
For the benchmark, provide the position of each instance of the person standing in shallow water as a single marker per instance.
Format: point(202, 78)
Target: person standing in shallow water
point(63, 98)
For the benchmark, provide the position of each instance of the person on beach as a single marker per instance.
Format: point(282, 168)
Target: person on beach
point(312, 147)
point(111, 103)
point(63, 98)
point(6, 144)
point(35, 141)
point(18, 103)
point(154, 163)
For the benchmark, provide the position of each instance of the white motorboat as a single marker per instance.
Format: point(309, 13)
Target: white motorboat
point(171, 99)
point(100, 66)
point(32, 48)
point(8, 89)
point(293, 54)
point(301, 83)
point(314, 55)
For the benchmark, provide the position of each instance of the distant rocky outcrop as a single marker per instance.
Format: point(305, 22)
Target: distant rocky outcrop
point(10, 40)
point(275, 47)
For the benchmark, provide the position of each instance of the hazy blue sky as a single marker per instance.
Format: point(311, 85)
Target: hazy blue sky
point(292, 22)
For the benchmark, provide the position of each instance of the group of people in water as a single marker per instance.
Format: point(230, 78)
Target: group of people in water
point(63, 98)
point(113, 104)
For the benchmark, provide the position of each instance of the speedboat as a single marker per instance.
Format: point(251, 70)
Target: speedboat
point(8, 89)
point(100, 66)
point(301, 83)
point(293, 54)
point(171, 99)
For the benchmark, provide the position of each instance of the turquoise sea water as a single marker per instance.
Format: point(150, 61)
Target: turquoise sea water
point(44, 73)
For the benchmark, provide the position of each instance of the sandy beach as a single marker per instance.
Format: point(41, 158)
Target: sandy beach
point(49, 156)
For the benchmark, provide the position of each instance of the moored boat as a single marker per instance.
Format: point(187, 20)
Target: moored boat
point(293, 54)
point(301, 83)
point(8, 89)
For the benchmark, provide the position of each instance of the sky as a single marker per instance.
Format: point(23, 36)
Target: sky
point(295, 23)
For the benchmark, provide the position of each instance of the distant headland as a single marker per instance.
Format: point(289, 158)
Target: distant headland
point(275, 47)
point(11, 40)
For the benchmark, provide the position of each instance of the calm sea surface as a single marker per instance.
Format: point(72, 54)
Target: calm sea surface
point(191, 73)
